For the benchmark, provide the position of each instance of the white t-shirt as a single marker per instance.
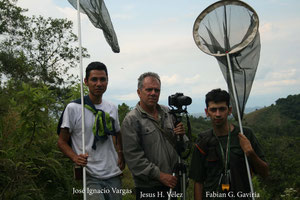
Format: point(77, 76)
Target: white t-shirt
point(102, 162)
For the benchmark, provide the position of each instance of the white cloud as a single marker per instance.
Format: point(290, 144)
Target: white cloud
point(280, 31)
point(170, 80)
point(283, 74)
point(164, 44)
point(279, 80)
point(123, 16)
point(281, 83)
point(127, 97)
point(46, 8)
point(192, 80)
point(69, 12)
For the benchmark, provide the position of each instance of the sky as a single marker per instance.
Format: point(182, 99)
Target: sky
point(157, 36)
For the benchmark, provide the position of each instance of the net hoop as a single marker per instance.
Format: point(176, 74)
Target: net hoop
point(204, 13)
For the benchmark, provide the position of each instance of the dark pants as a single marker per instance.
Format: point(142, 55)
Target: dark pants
point(161, 193)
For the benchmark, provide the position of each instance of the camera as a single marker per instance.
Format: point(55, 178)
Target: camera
point(178, 100)
point(183, 143)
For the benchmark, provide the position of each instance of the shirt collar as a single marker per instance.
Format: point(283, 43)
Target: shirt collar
point(145, 114)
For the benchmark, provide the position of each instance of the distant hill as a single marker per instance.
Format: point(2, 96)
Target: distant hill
point(251, 109)
point(283, 118)
point(247, 110)
point(198, 115)
point(277, 128)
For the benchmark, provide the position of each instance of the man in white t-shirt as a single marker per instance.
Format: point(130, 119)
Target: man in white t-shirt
point(104, 158)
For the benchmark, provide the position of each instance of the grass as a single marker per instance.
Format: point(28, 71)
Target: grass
point(128, 183)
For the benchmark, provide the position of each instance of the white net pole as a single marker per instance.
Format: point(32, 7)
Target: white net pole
point(82, 97)
point(239, 120)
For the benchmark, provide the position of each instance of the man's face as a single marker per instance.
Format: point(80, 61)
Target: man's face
point(97, 82)
point(149, 94)
point(218, 112)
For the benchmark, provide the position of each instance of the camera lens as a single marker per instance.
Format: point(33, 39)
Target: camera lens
point(184, 100)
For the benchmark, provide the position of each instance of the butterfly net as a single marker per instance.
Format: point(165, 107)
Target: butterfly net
point(99, 16)
point(231, 27)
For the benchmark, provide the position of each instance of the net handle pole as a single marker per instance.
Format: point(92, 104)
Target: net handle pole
point(82, 98)
point(239, 120)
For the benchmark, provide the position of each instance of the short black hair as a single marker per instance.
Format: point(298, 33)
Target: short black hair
point(95, 66)
point(217, 96)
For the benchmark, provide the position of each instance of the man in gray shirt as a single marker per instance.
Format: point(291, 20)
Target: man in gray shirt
point(149, 137)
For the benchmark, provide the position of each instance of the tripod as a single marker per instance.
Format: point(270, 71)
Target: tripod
point(180, 168)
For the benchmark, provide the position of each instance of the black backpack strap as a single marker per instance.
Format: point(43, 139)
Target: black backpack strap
point(203, 141)
point(59, 127)
point(78, 101)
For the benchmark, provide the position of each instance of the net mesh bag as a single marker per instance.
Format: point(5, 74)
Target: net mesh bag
point(231, 27)
point(99, 16)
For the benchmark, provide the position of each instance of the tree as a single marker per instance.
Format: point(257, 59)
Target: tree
point(35, 57)
point(37, 51)
point(11, 17)
point(123, 109)
point(42, 51)
point(30, 164)
point(290, 106)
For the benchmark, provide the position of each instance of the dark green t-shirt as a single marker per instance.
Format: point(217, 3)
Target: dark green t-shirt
point(207, 164)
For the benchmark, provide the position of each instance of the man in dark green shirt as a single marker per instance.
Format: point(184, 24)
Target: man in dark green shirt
point(218, 166)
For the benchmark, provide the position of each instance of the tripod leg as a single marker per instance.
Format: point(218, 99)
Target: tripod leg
point(169, 197)
point(183, 187)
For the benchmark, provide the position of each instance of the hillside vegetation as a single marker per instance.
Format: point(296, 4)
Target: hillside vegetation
point(281, 119)
point(35, 85)
point(278, 130)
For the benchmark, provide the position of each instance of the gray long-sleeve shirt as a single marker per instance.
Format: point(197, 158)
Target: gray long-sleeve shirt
point(146, 150)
